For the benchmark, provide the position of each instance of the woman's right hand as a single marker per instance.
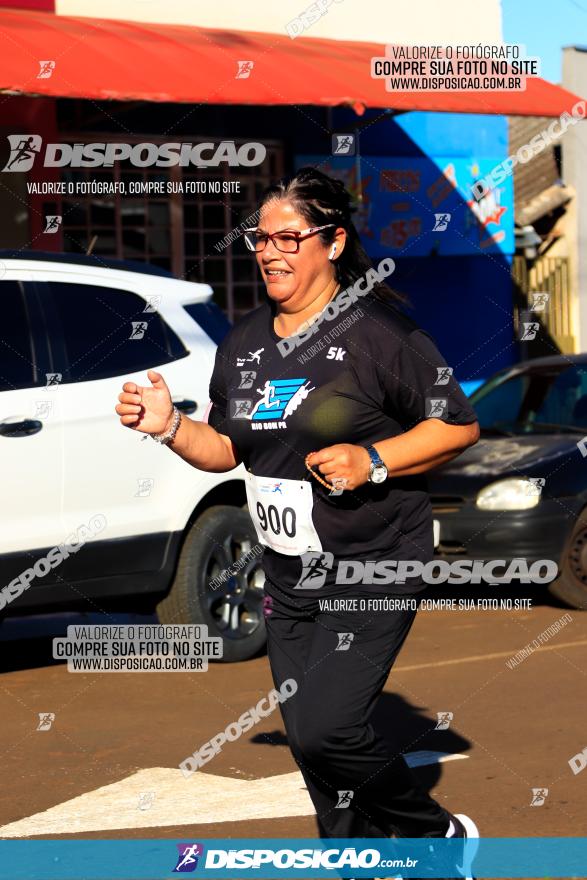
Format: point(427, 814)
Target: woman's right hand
point(146, 409)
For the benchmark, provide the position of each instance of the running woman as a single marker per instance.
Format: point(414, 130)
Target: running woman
point(340, 415)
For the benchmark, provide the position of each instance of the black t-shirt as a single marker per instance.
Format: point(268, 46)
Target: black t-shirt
point(368, 374)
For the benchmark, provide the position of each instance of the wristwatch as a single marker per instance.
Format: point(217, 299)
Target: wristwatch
point(378, 471)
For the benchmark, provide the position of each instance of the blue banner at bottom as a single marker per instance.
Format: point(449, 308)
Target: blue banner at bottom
point(508, 857)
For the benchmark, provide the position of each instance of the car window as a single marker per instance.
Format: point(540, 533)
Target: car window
point(564, 402)
point(549, 396)
point(106, 332)
point(17, 361)
point(500, 402)
point(211, 319)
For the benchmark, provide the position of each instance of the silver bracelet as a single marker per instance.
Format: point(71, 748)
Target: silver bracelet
point(165, 438)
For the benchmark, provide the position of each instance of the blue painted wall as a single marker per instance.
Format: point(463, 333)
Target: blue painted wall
point(460, 287)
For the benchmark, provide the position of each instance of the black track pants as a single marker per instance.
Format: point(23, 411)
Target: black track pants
point(327, 719)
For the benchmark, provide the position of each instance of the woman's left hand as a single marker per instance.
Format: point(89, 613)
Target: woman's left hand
point(343, 464)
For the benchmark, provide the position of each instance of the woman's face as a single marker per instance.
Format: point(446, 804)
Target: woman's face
point(293, 280)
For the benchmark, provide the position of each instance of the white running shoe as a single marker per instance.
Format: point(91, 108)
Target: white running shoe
point(466, 831)
point(469, 831)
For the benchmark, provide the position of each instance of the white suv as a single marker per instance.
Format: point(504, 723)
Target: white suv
point(72, 330)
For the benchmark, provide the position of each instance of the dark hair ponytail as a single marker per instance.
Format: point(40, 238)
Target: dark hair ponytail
point(322, 199)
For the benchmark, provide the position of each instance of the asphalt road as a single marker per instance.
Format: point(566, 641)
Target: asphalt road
point(514, 728)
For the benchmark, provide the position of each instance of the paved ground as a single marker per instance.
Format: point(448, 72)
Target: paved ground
point(518, 727)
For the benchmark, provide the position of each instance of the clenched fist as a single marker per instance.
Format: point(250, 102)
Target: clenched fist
point(342, 462)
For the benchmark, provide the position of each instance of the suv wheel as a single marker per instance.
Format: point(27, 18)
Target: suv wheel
point(214, 587)
point(571, 584)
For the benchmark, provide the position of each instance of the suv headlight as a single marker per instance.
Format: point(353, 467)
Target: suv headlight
point(512, 494)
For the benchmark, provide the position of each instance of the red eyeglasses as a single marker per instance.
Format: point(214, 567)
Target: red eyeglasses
point(286, 241)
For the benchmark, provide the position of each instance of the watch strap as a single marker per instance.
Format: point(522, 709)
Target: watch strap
point(374, 456)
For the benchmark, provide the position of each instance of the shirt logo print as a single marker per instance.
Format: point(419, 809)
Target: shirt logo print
point(280, 398)
point(254, 357)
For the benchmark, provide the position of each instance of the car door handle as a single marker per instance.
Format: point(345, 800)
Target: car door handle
point(186, 406)
point(20, 428)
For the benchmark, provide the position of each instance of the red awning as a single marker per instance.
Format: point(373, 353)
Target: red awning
point(106, 59)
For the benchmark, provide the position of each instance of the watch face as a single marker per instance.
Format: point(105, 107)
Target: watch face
point(379, 474)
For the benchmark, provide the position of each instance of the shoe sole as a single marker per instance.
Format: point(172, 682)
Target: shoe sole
point(472, 834)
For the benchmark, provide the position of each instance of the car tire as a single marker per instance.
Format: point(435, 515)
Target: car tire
point(571, 585)
point(233, 607)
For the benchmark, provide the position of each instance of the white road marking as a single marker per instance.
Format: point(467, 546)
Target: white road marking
point(494, 656)
point(200, 800)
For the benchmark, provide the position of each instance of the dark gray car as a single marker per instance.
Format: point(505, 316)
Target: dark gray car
point(521, 491)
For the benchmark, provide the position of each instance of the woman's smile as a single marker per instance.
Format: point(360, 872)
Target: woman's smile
point(273, 275)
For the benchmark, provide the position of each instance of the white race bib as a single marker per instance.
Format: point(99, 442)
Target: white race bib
point(282, 513)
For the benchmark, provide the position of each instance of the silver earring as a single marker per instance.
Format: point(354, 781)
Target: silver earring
point(332, 252)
